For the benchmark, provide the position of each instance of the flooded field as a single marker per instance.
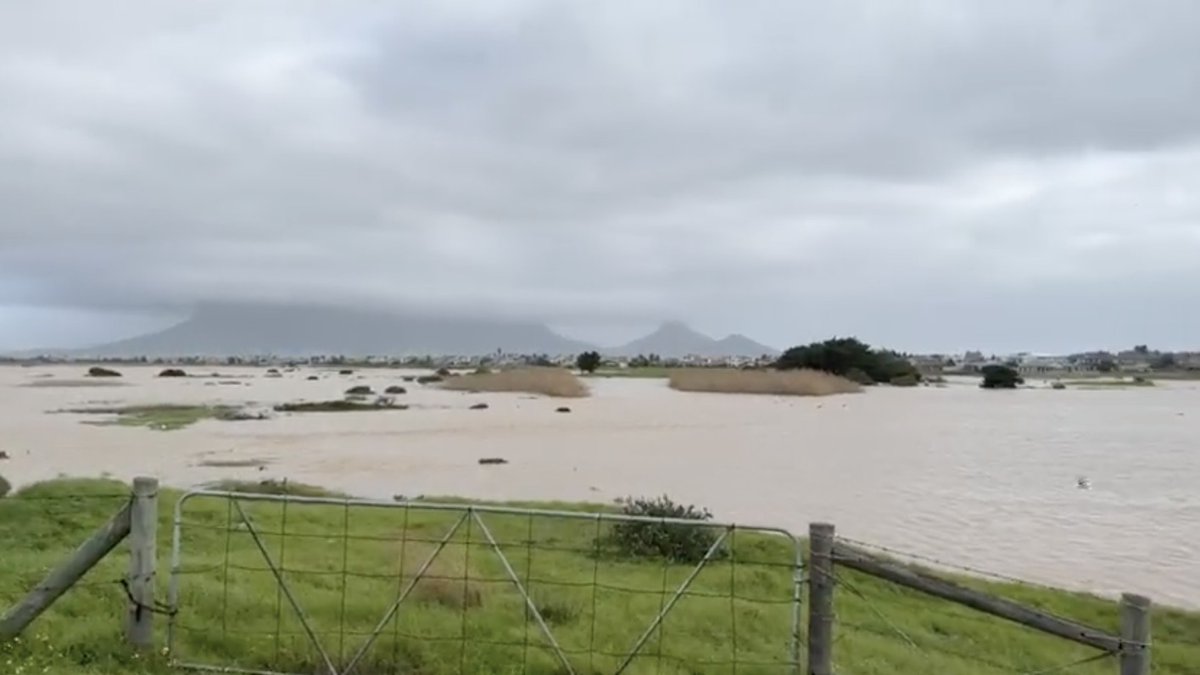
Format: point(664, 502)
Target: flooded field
point(986, 479)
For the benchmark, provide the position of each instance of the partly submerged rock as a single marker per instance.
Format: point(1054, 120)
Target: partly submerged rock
point(98, 371)
point(172, 372)
point(360, 390)
point(395, 389)
point(479, 406)
point(563, 409)
point(492, 460)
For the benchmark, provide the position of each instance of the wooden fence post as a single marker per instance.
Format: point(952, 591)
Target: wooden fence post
point(65, 574)
point(1135, 630)
point(143, 554)
point(820, 600)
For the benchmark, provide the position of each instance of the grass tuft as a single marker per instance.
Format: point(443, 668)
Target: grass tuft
point(556, 382)
point(779, 383)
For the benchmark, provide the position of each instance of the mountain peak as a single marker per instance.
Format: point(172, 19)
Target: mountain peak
point(676, 339)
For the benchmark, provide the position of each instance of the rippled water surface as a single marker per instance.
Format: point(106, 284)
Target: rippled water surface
point(986, 479)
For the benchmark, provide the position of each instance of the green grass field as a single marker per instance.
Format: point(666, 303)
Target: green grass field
point(346, 566)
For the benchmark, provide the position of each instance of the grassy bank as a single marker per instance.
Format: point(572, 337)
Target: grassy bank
point(557, 382)
point(596, 602)
point(780, 383)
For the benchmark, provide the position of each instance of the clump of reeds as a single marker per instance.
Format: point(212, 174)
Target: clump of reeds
point(776, 382)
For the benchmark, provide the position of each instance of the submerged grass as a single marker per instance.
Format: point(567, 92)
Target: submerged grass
point(352, 404)
point(647, 372)
point(777, 382)
point(162, 417)
point(1109, 382)
point(557, 382)
point(344, 564)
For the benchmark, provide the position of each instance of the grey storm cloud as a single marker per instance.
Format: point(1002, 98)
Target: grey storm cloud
point(935, 174)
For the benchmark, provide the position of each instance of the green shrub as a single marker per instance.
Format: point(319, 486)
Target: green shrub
point(588, 362)
point(859, 376)
point(4, 487)
point(840, 356)
point(674, 541)
point(1000, 377)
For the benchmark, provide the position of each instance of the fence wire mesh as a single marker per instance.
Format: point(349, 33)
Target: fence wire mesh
point(921, 633)
point(277, 584)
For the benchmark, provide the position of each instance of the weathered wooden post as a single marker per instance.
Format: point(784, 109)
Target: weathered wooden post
point(143, 553)
point(65, 575)
point(1135, 634)
point(820, 600)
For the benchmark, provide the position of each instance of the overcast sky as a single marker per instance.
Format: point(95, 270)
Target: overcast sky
point(925, 175)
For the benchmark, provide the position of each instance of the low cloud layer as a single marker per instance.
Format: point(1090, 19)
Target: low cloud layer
point(929, 175)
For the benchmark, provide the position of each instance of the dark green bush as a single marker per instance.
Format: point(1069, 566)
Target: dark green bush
point(841, 356)
point(859, 376)
point(1000, 377)
point(588, 362)
point(674, 541)
point(4, 487)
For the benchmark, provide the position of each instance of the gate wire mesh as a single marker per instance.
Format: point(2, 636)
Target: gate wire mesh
point(286, 584)
point(920, 633)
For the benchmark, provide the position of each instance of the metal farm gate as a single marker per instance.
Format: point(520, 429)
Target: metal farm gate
point(298, 585)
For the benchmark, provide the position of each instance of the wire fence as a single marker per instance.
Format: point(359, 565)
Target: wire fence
point(293, 585)
point(936, 636)
point(305, 585)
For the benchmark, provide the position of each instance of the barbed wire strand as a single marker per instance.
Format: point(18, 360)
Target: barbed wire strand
point(1073, 664)
point(871, 605)
point(975, 571)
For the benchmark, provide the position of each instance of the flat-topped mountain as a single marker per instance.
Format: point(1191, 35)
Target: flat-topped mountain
point(298, 330)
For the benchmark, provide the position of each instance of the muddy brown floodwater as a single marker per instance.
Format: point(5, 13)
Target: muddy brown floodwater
point(980, 478)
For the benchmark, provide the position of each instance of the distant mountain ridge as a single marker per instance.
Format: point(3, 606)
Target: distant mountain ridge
point(293, 330)
point(675, 339)
point(232, 329)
